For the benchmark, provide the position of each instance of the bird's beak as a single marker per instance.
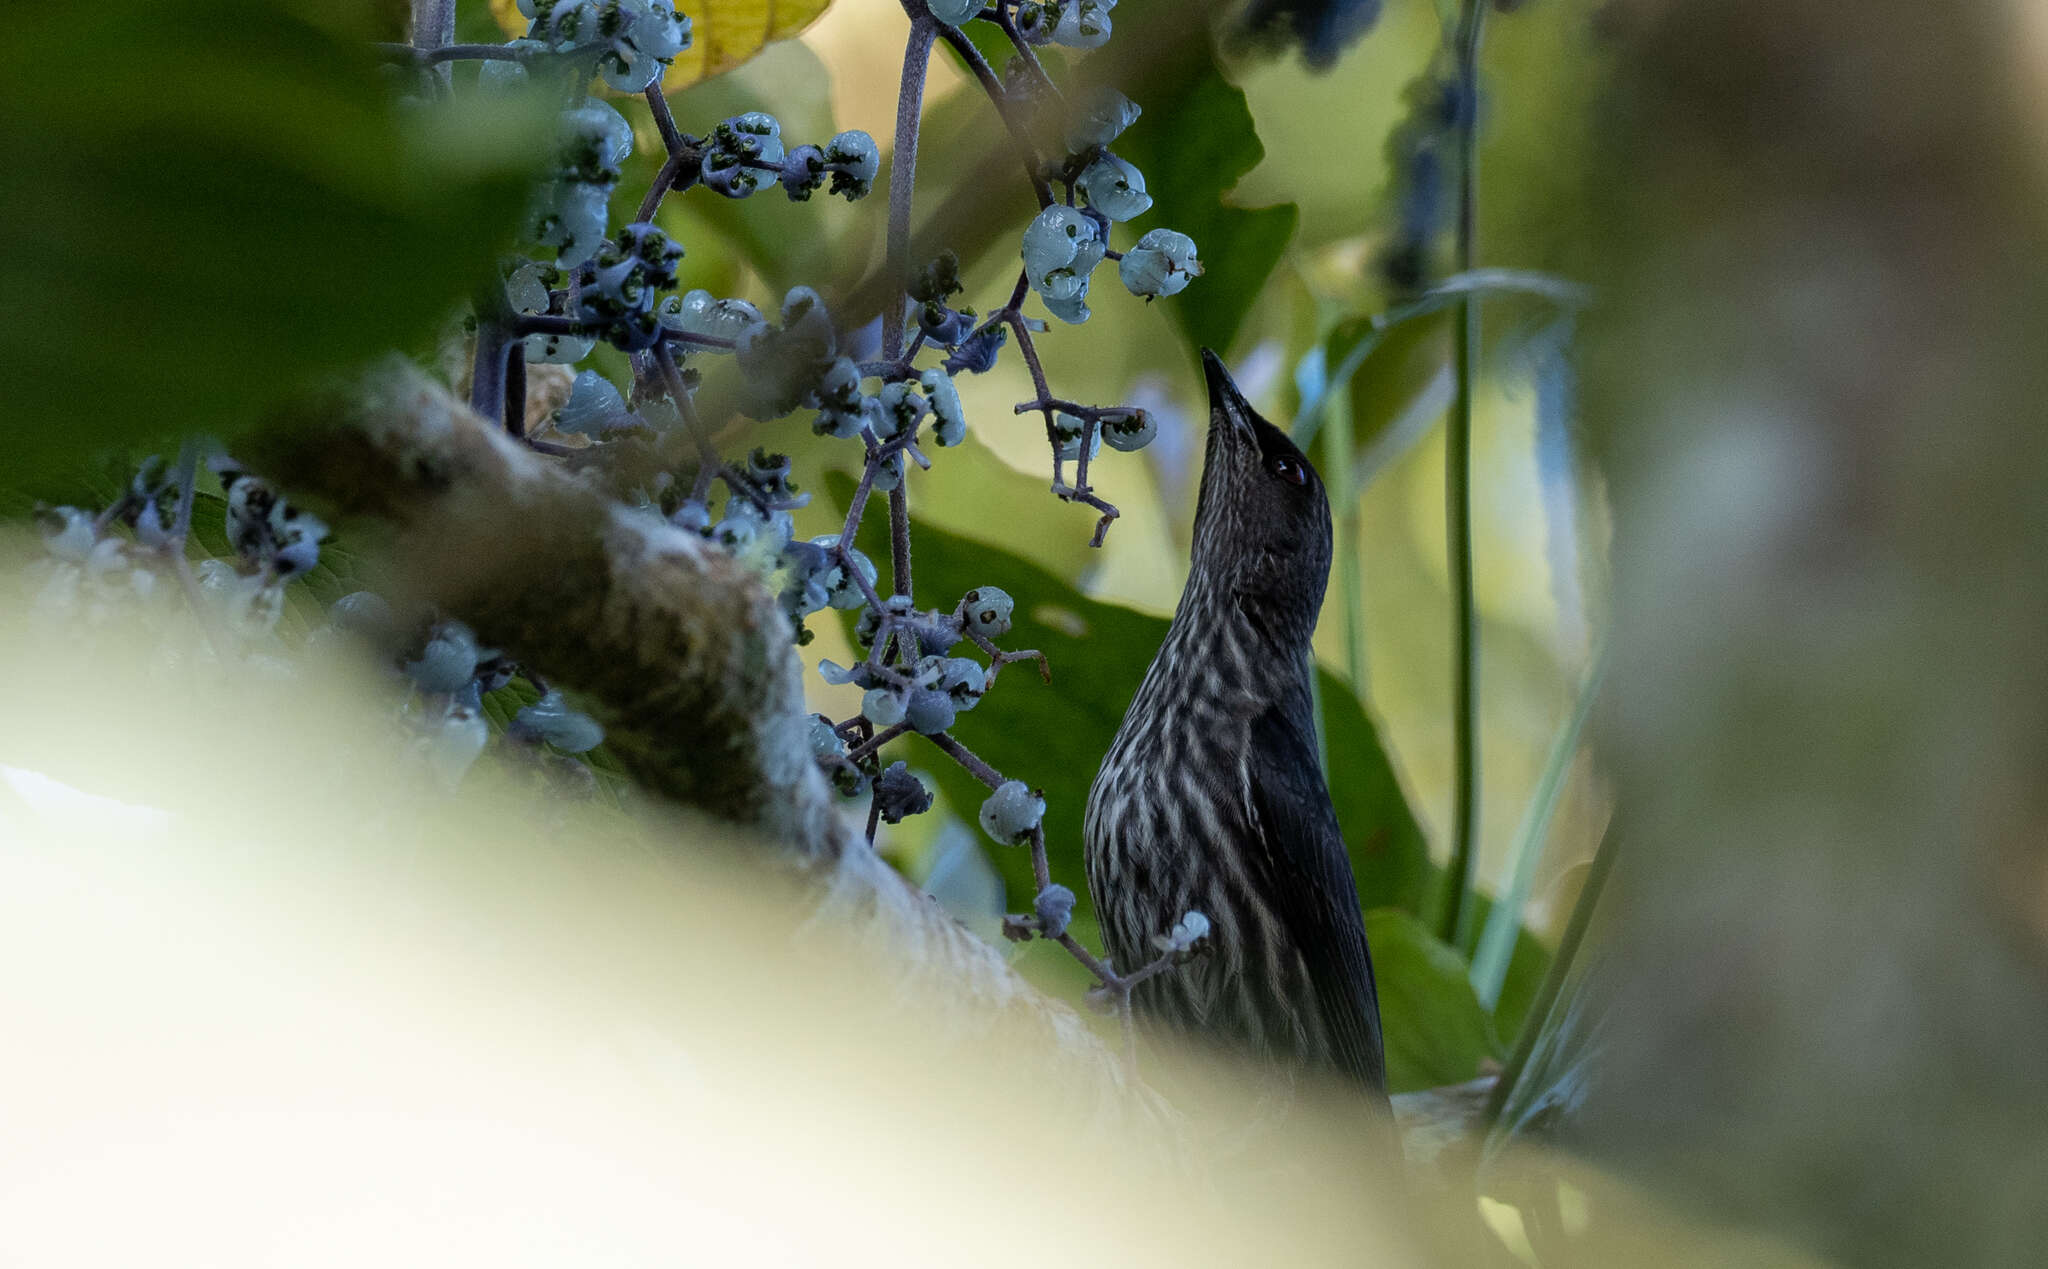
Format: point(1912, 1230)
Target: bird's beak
point(1225, 401)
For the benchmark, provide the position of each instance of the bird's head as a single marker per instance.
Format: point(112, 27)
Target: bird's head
point(1262, 522)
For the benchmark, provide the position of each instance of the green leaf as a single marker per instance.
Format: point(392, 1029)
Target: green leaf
point(1053, 736)
point(1526, 966)
point(1194, 142)
point(212, 203)
point(1436, 1032)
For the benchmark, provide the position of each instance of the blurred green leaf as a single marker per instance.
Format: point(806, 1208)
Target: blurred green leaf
point(1527, 963)
point(210, 204)
point(1053, 736)
point(1436, 1032)
point(1193, 142)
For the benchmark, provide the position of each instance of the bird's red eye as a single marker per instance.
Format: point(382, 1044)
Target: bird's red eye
point(1290, 469)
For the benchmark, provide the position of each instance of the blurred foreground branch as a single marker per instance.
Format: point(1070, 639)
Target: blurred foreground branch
point(683, 650)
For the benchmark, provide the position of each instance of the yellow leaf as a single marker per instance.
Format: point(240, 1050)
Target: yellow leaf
point(724, 33)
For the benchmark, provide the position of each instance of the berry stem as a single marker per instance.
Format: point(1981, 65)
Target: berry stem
point(1028, 55)
point(876, 741)
point(1458, 879)
point(443, 53)
point(917, 56)
point(678, 171)
point(672, 137)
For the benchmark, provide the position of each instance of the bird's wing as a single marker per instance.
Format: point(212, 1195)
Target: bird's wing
point(1300, 866)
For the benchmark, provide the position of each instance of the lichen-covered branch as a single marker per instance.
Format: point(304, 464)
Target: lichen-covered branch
point(682, 651)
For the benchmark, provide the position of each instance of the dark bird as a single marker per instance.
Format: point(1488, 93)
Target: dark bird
point(1212, 799)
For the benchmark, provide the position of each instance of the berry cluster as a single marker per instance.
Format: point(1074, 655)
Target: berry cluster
point(633, 39)
point(921, 669)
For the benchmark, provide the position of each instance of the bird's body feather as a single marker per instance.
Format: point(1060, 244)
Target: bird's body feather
point(1212, 799)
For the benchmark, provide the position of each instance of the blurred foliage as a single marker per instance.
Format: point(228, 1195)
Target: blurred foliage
point(240, 211)
point(1437, 1031)
point(1195, 141)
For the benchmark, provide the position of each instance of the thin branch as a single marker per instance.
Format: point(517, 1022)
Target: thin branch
point(487, 377)
point(1457, 907)
point(665, 121)
point(899, 539)
point(515, 388)
point(917, 56)
point(876, 741)
point(433, 29)
point(451, 53)
point(676, 170)
point(1027, 54)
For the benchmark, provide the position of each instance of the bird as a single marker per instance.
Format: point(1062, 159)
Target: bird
point(1211, 798)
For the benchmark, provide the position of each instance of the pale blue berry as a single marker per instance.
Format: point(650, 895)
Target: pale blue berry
point(950, 420)
point(449, 660)
point(1068, 430)
point(1054, 908)
point(953, 12)
point(1191, 929)
point(854, 162)
point(1083, 24)
point(753, 135)
point(1100, 120)
point(844, 592)
point(594, 406)
point(67, 533)
point(903, 406)
point(1128, 431)
point(825, 741)
point(930, 710)
point(365, 613)
point(697, 313)
point(986, 610)
point(1162, 263)
point(884, 706)
point(692, 516)
point(1011, 813)
point(1115, 188)
point(803, 171)
point(550, 719)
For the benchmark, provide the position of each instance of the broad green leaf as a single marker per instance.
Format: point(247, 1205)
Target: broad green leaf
point(239, 211)
point(1053, 736)
point(1193, 143)
point(1436, 1032)
point(723, 33)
